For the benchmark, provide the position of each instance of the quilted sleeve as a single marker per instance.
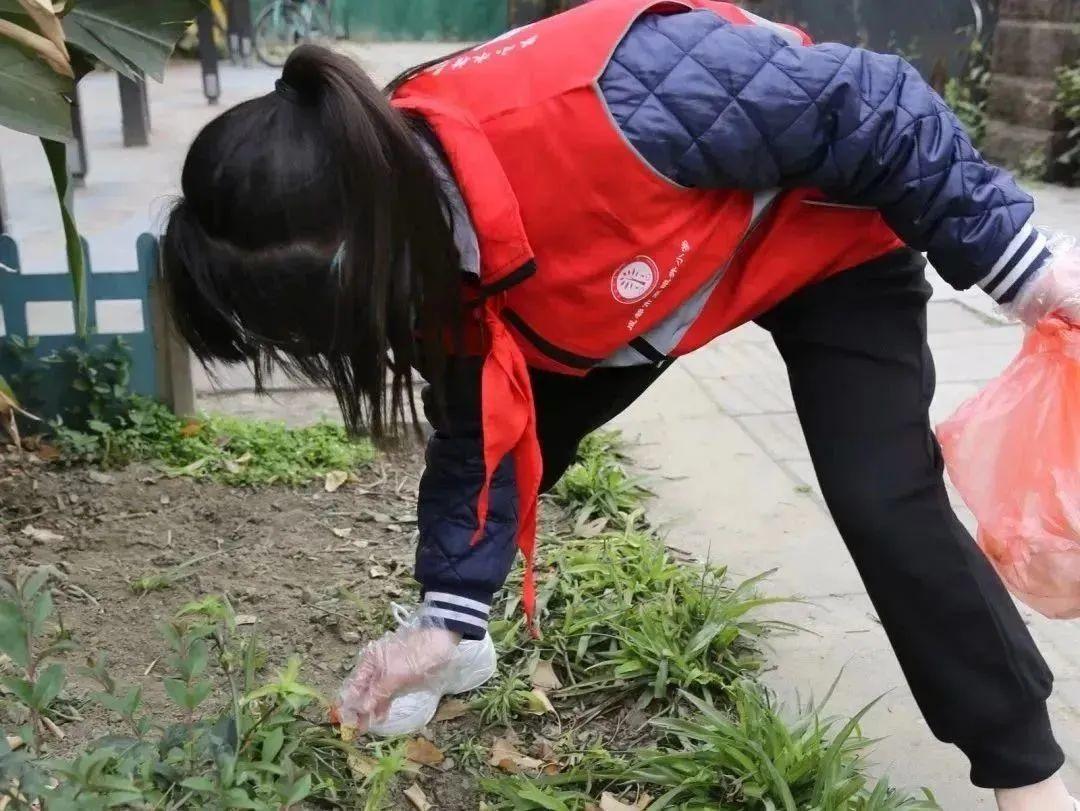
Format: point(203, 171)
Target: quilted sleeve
point(458, 578)
point(714, 104)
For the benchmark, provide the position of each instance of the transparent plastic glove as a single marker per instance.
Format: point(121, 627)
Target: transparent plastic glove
point(403, 660)
point(1055, 290)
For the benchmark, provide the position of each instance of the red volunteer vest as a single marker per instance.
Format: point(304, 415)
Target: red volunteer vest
point(585, 248)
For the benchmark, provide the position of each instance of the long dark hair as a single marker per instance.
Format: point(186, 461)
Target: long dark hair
point(312, 235)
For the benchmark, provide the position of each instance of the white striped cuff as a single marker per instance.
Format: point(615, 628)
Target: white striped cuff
point(1021, 260)
point(456, 613)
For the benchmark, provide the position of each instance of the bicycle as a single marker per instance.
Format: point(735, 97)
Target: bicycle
point(285, 24)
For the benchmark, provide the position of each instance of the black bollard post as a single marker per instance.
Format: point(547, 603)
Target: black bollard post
point(134, 111)
point(78, 160)
point(208, 55)
point(240, 32)
point(3, 206)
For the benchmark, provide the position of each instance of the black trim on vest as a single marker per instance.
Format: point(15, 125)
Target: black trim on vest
point(506, 282)
point(647, 350)
point(555, 353)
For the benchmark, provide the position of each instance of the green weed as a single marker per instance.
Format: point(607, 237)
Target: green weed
point(620, 615)
point(389, 762)
point(746, 758)
point(597, 487)
point(242, 741)
point(105, 425)
point(502, 701)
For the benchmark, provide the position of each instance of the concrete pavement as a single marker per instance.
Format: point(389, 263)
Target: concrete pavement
point(717, 436)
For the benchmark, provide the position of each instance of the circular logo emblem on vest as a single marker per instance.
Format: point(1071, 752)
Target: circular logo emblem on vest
point(634, 280)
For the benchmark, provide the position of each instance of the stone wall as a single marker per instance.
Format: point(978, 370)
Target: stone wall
point(1033, 39)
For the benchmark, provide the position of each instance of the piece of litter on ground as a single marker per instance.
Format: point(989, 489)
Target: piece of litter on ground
point(41, 535)
point(415, 795)
point(334, 480)
point(343, 532)
point(539, 703)
point(424, 752)
point(543, 676)
point(608, 802)
point(508, 759)
point(450, 709)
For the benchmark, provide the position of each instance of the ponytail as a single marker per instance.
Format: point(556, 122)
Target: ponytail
point(312, 236)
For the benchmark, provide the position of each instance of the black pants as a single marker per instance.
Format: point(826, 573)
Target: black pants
point(862, 379)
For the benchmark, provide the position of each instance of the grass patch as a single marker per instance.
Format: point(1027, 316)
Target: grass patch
point(748, 757)
point(103, 424)
point(227, 449)
point(626, 628)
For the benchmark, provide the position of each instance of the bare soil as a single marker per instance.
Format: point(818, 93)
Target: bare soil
point(316, 570)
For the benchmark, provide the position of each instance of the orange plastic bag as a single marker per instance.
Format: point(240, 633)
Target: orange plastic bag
point(1013, 452)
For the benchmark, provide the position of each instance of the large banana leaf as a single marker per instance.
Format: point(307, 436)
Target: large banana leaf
point(33, 97)
point(133, 37)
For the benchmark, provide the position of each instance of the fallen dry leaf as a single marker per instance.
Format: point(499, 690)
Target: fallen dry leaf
point(342, 533)
point(41, 535)
point(376, 572)
point(543, 676)
point(538, 703)
point(421, 750)
point(190, 428)
point(592, 528)
point(334, 480)
point(505, 757)
point(246, 619)
point(415, 795)
point(608, 802)
point(47, 453)
point(361, 766)
point(450, 709)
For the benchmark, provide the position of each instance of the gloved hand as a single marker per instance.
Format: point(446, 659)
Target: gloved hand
point(401, 660)
point(1055, 290)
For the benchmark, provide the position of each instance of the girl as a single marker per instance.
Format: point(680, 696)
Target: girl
point(541, 224)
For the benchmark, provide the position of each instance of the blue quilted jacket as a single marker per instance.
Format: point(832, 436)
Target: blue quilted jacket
point(711, 104)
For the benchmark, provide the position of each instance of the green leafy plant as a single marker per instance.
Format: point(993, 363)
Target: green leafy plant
point(47, 46)
point(1067, 98)
point(503, 700)
point(749, 757)
point(597, 490)
point(105, 425)
point(620, 614)
point(240, 742)
point(25, 608)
